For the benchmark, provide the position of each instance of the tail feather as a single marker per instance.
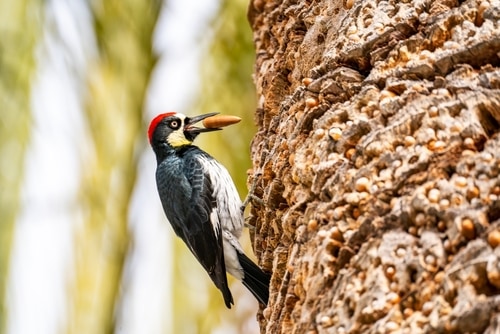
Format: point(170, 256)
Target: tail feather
point(223, 286)
point(256, 280)
point(219, 277)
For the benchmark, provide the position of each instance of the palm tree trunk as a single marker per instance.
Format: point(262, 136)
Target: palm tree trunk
point(378, 161)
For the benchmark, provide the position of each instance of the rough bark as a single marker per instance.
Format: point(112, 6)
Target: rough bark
point(377, 159)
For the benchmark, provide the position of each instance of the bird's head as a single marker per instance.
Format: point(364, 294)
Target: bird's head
point(176, 129)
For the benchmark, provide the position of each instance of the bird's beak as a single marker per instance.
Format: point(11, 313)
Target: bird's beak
point(191, 130)
point(191, 121)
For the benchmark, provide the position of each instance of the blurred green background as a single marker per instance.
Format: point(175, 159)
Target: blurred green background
point(84, 245)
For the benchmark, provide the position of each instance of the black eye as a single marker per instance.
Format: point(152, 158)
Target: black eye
point(174, 124)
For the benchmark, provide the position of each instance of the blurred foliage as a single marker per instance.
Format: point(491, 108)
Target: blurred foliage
point(20, 26)
point(117, 83)
point(227, 87)
point(117, 80)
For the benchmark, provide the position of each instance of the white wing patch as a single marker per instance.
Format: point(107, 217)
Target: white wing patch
point(227, 197)
point(227, 215)
point(214, 219)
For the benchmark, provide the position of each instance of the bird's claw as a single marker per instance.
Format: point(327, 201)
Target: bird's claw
point(251, 197)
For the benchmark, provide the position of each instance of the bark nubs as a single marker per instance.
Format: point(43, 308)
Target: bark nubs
point(377, 160)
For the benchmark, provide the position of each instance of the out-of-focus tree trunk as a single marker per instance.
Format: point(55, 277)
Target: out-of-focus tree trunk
point(378, 160)
point(117, 83)
point(20, 23)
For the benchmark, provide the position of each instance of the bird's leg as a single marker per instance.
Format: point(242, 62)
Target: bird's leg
point(250, 196)
point(247, 225)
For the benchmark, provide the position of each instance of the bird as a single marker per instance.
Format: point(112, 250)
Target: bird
point(201, 203)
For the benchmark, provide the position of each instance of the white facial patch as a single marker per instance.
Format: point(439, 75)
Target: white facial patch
point(177, 138)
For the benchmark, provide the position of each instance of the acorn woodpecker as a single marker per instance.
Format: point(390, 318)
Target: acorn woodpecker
point(201, 203)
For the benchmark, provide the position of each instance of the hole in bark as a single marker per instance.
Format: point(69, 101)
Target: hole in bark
point(488, 122)
point(413, 159)
point(349, 306)
point(494, 211)
point(335, 251)
point(449, 170)
point(412, 274)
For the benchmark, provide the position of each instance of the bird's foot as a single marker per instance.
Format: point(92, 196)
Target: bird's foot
point(251, 197)
point(247, 225)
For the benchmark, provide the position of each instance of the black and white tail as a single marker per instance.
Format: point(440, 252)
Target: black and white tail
point(255, 279)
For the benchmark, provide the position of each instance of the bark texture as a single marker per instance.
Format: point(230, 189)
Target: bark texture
point(377, 159)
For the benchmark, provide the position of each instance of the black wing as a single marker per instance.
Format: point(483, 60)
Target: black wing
point(188, 201)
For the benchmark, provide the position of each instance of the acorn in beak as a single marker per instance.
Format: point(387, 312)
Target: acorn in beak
point(210, 122)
